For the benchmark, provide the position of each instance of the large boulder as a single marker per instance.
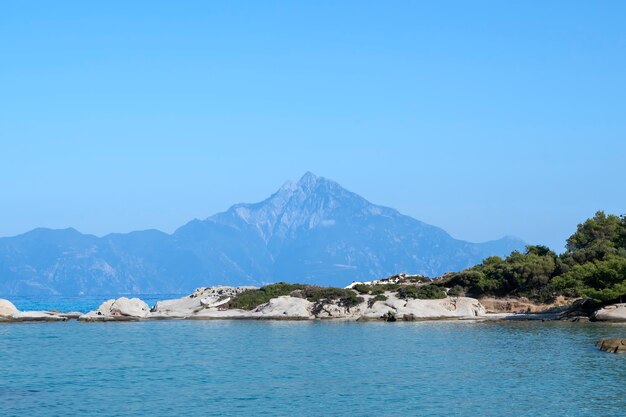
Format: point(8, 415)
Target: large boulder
point(615, 312)
point(122, 309)
point(285, 307)
point(131, 307)
point(612, 345)
point(7, 308)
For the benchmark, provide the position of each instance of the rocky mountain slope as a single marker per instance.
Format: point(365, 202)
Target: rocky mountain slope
point(312, 231)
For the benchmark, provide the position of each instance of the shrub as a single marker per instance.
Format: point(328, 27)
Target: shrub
point(418, 279)
point(250, 299)
point(381, 288)
point(425, 292)
point(456, 291)
point(362, 288)
point(372, 300)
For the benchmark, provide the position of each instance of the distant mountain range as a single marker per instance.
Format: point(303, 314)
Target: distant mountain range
point(312, 231)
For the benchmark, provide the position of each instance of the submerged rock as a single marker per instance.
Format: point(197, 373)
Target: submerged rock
point(612, 345)
point(615, 312)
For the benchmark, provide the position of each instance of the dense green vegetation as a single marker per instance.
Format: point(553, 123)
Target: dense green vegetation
point(375, 289)
point(251, 299)
point(424, 292)
point(404, 290)
point(593, 266)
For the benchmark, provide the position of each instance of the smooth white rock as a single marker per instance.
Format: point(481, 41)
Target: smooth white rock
point(7, 308)
point(105, 308)
point(36, 316)
point(132, 307)
point(196, 302)
point(614, 312)
point(450, 307)
point(118, 310)
point(285, 307)
point(214, 302)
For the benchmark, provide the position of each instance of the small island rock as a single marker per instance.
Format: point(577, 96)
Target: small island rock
point(612, 345)
point(121, 309)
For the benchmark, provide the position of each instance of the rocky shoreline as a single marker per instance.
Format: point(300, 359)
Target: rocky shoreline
point(213, 304)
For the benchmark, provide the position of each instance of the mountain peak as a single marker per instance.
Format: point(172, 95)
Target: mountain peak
point(308, 177)
point(308, 181)
point(312, 231)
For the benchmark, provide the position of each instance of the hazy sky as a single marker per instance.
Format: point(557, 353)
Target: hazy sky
point(484, 118)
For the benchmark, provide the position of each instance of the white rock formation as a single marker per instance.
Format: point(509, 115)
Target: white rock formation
point(285, 307)
point(36, 316)
point(8, 312)
point(195, 303)
point(415, 309)
point(212, 303)
point(614, 312)
point(7, 308)
point(133, 307)
point(118, 310)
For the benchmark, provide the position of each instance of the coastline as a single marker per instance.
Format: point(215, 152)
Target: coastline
point(211, 303)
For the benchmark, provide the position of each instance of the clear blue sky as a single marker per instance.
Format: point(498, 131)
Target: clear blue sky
point(484, 118)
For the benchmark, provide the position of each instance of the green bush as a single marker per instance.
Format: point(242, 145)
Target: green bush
point(382, 288)
point(250, 299)
point(425, 292)
point(456, 291)
point(372, 300)
point(362, 288)
point(418, 279)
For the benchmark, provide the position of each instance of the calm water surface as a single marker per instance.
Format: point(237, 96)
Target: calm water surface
point(240, 368)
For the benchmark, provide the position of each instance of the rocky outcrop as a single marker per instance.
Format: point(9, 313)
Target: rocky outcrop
point(122, 309)
point(415, 309)
point(201, 299)
point(615, 312)
point(36, 316)
point(285, 307)
point(7, 308)
point(612, 345)
point(522, 305)
point(131, 307)
point(10, 313)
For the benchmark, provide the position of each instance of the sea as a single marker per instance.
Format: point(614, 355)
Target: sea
point(306, 368)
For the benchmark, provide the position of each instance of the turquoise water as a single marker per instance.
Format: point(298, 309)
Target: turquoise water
point(246, 368)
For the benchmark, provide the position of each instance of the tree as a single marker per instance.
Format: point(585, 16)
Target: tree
point(600, 280)
point(596, 238)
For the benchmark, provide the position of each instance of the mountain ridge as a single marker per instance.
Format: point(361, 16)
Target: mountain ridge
point(313, 231)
